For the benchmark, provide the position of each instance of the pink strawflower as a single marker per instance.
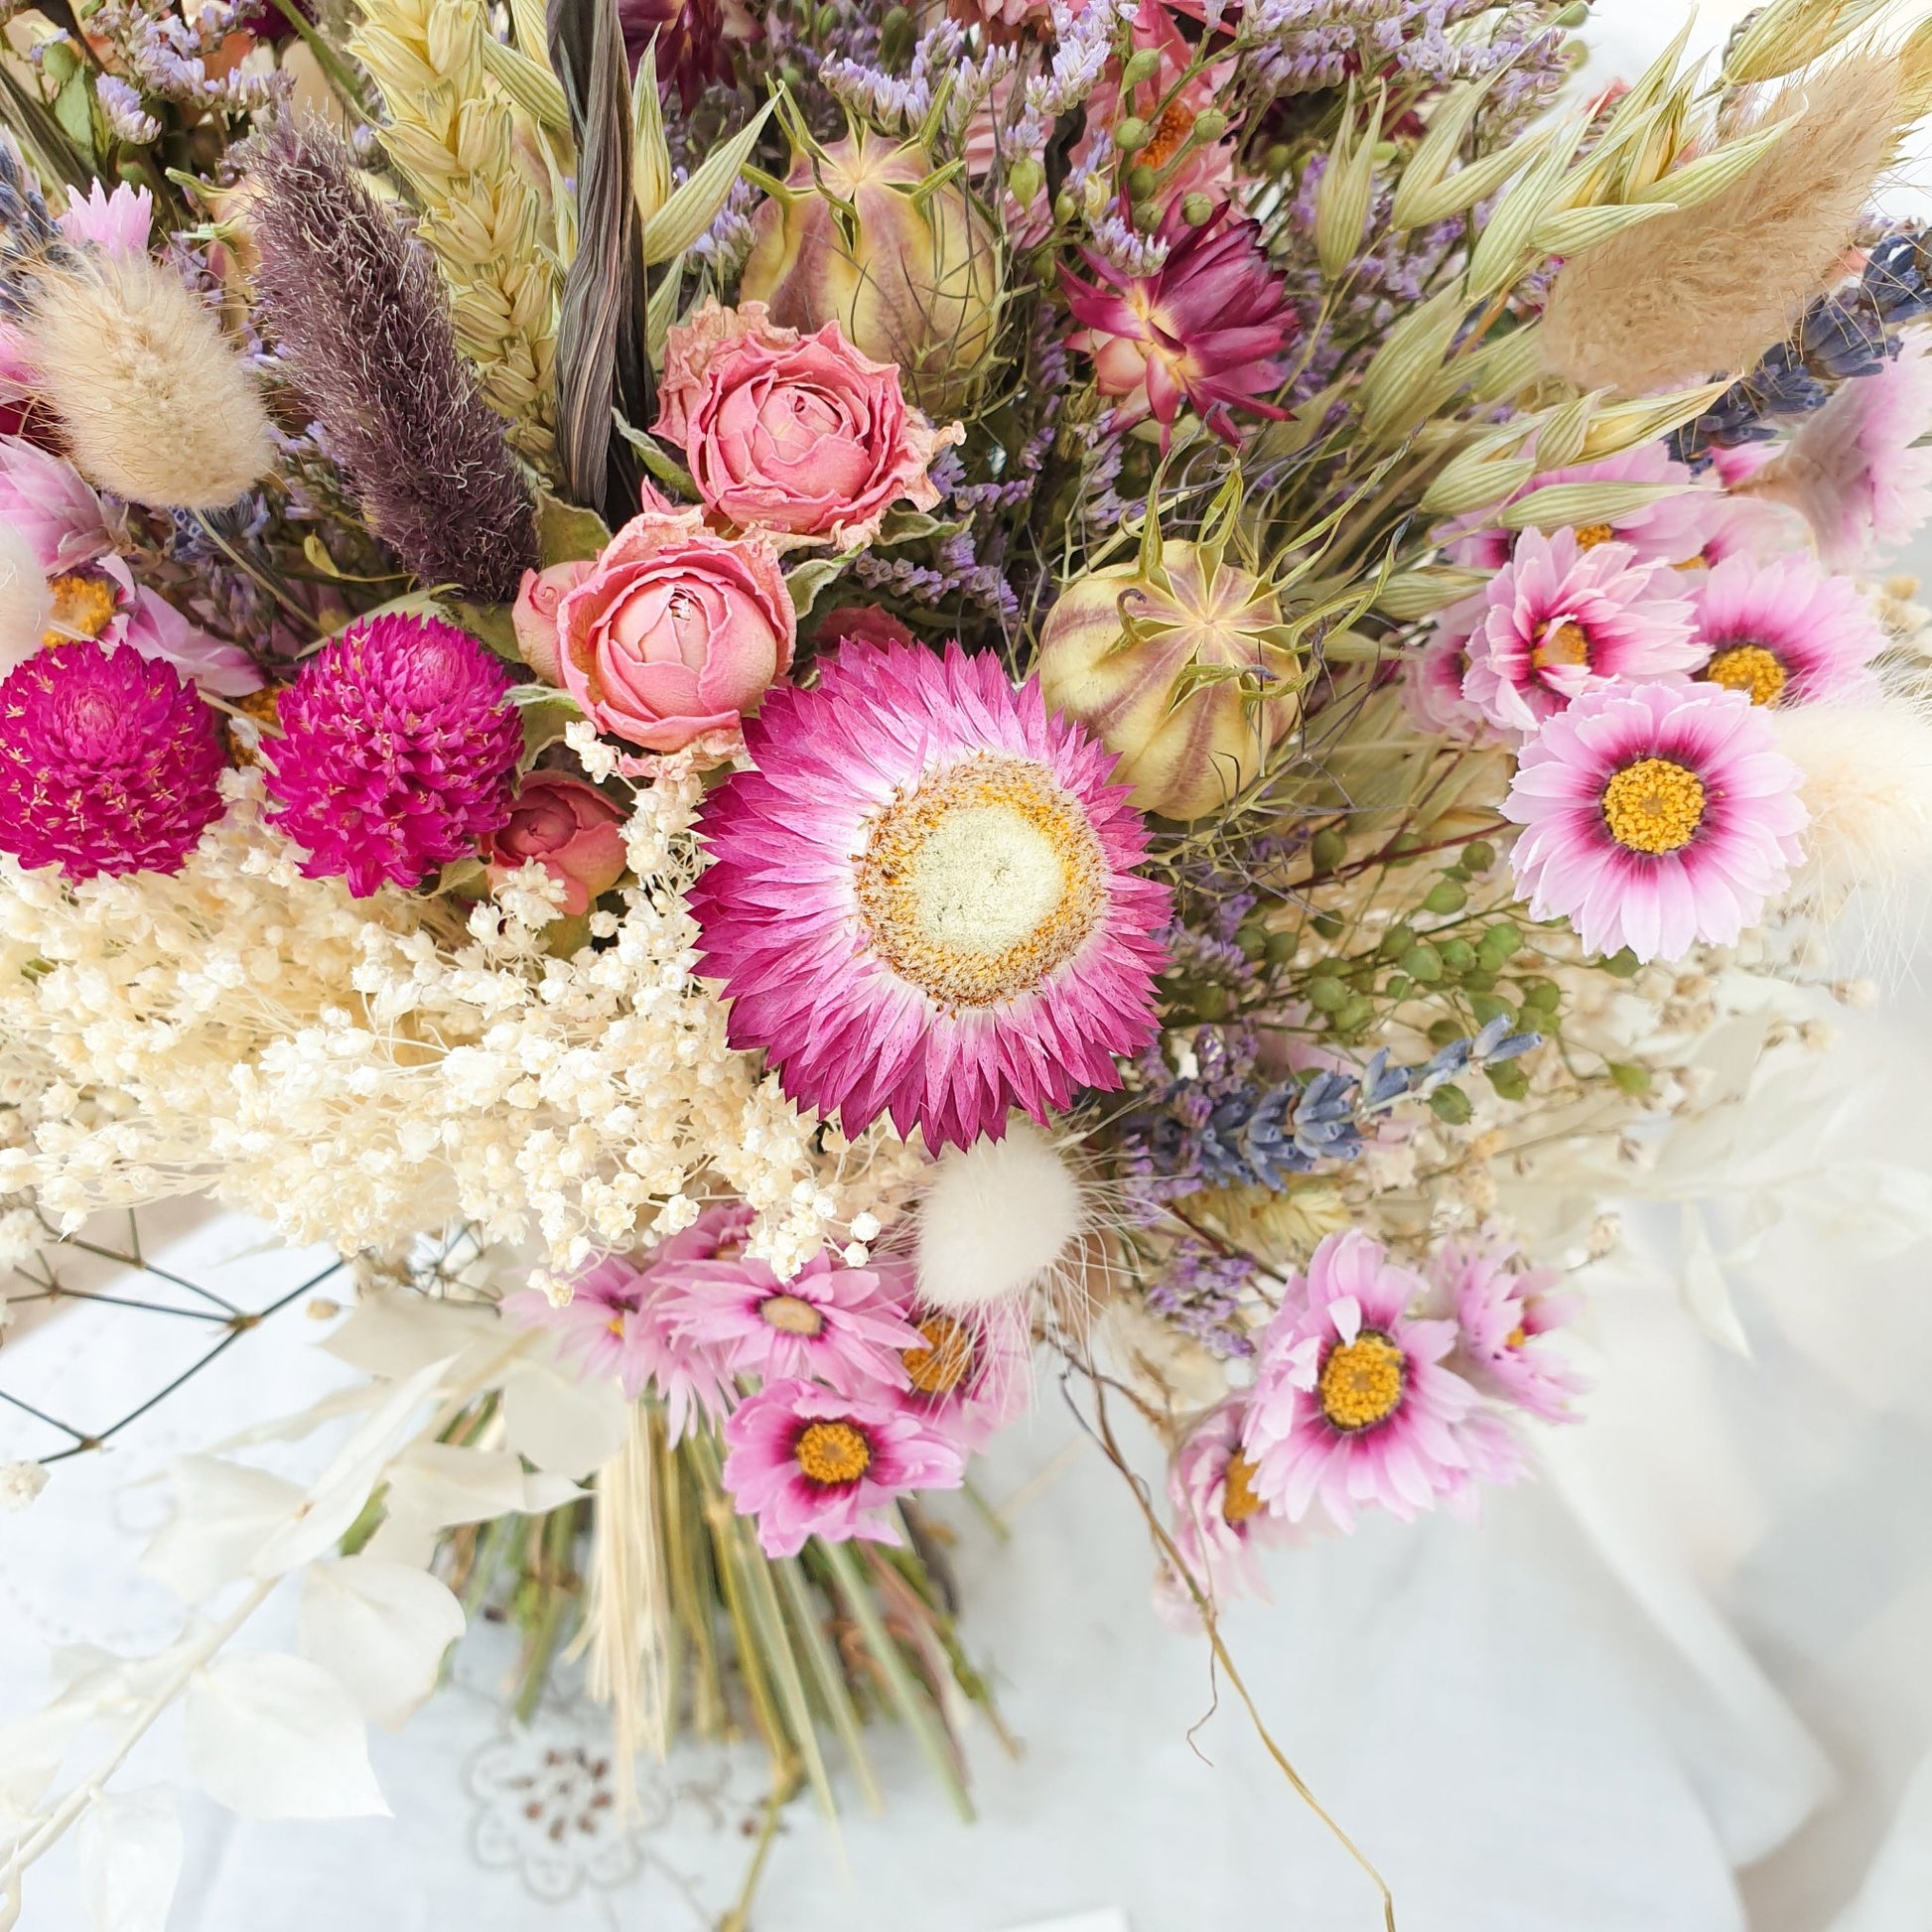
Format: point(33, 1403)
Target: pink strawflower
point(1210, 327)
point(1352, 1403)
point(397, 752)
point(1853, 469)
point(617, 1320)
point(1217, 1516)
point(1502, 1314)
point(1786, 633)
point(807, 1461)
point(109, 763)
point(1655, 815)
point(924, 899)
point(1433, 677)
point(116, 223)
point(842, 1326)
point(1562, 617)
point(971, 1370)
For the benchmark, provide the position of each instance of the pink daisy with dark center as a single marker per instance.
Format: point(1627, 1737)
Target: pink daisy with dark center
point(1210, 327)
point(924, 899)
point(1655, 815)
point(1562, 615)
point(807, 1461)
point(397, 752)
point(1785, 632)
point(109, 763)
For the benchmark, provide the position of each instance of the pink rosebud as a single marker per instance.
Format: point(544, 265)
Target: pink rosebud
point(860, 623)
point(797, 435)
point(571, 829)
point(675, 630)
point(534, 613)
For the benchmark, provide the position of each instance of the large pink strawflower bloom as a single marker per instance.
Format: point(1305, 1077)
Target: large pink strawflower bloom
point(924, 901)
point(1853, 469)
point(109, 763)
point(1655, 815)
point(1502, 1312)
point(842, 1326)
point(1562, 617)
point(1352, 1404)
point(1210, 327)
point(1786, 633)
point(397, 752)
point(808, 1461)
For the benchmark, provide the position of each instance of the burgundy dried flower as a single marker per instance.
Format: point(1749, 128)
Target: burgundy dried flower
point(397, 754)
point(109, 763)
point(692, 37)
point(1209, 325)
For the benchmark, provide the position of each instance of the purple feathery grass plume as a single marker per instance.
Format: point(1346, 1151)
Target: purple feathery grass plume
point(363, 326)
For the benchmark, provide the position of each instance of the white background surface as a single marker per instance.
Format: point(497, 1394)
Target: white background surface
point(1682, 1684)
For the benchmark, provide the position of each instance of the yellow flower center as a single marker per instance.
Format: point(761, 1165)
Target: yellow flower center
point(1567, 643)
point(1755, 669)
point(1238, 1498)
point(1589, 535)
point(945, 1361)
point(791, 1314)
point(832, 1453)
point(82, 607)
point(982, 882)
point(1516, 1337)
point(1361, 1381)
point(1654, 805)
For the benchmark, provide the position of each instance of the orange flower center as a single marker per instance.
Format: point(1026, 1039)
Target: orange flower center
point(1755, 669)
point(832, 1453)
point(1589, 535)
point(1170, 135)
point(1561, 643)
point(1238, 1498)
point(1654, 805)
point(945, 1361)
point(82, 607)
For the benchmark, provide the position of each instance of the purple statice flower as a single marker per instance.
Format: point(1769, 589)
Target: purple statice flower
point(1202, 1292)
point(896, 100)
point(120, 105)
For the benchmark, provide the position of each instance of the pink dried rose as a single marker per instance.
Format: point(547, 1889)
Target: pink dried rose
point(570, 829)
point(675, 632)
point(796, 435)
point(534, 613)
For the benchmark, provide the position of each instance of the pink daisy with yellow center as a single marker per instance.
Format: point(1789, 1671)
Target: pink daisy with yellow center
point(1502, 1314)
point(1218, 1516)
point(969, 1371)
point(807, 1461)
point(1785, 632)
point(1352, 1403)
point(1655, 815)
point(1562, 617)
point(924, 899)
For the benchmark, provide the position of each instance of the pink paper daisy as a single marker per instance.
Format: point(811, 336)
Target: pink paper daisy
point(1502, 1312)
point(1853, 469)
point(923, 901)
point(1785, 632)
point(840, 1324)
point(617, 1321)
point(1218, 1516)
point(970, 1373)
point(1352, 1404)
point(807, 1461)
point(1563, 617)
point(1655, 815)
point(1432, 679)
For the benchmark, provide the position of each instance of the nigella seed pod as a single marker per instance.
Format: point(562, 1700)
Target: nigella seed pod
point(1171, 670)
point(909, 273)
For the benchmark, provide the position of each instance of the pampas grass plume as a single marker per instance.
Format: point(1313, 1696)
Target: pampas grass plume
point(156, 404)
point(1710, 287)
point(995, 1218)
point(25, 604)
point(1867, 786)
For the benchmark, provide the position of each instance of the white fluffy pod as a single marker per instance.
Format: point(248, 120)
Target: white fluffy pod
point(995, 1218)
point(1867, 786)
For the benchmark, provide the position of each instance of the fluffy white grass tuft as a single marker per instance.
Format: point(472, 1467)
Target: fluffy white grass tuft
point(25, 604)
point(996, 1218)
point(1867, 786)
